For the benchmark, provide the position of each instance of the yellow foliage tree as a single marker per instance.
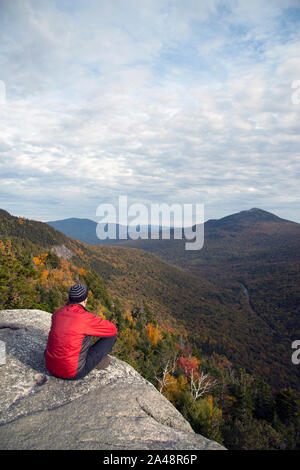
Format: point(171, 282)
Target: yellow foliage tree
point(127, 316)
point(154, 334)
point(5, 248)
point(171, 390)
point(174, 386)
point(45, 273)
point(101, 311)
point(82, 271)
point(40, 260)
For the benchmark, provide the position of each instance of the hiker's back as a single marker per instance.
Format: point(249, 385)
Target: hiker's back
point(65, 340)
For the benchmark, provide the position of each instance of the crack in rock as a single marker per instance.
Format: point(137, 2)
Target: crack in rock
point(12, 327)
point(28, 388)
point(172, 421)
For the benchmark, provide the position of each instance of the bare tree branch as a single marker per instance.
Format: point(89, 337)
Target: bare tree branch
point(201, 384)
point(168, 369)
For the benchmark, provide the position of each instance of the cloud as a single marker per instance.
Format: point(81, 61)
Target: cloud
point(163, 101)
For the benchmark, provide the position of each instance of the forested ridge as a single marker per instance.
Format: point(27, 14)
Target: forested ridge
point(261, 251)
point(153, 305)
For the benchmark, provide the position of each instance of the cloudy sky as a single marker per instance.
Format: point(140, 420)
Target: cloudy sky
point(180, 101)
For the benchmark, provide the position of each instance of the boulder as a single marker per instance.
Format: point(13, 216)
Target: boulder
point(109, 409)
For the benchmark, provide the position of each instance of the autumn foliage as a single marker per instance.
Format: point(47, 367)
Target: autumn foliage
point(188, 364)
point(154, 333)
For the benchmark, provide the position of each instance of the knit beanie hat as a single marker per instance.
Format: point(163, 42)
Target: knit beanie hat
point(78, 293)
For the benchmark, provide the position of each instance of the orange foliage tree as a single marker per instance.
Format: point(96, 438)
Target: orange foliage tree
point(154, 333)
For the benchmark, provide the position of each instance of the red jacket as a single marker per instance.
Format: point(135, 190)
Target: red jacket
point(70, 336)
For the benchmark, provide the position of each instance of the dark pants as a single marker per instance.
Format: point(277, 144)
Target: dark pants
point(96, 353)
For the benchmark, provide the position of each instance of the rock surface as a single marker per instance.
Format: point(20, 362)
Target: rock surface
point(108, 409)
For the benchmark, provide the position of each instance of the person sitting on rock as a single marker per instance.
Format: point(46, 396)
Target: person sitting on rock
point(69, 353)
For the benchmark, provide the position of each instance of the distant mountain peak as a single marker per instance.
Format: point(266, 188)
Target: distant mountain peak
point(259, 211)
point(258, 214)
point(238, 220)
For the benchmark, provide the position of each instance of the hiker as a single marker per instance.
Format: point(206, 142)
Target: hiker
point(69, 353)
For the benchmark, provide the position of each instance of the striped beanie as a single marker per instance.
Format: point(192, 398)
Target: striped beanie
point(78, 293)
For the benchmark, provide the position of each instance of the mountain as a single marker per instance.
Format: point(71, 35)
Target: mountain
point(231, 230)
point(82, 229)
point(86, 230)
point(38, 232)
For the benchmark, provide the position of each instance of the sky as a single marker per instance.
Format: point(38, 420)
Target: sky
point(174, 102)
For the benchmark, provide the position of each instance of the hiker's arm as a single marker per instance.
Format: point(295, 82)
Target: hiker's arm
point(96, 326)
